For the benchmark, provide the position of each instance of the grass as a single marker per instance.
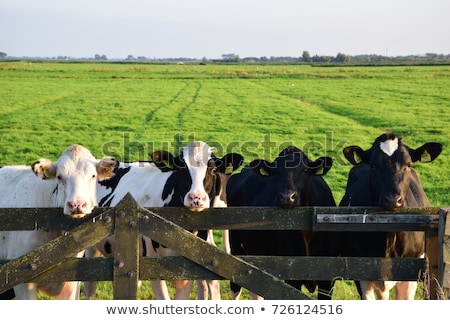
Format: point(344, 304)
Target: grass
point(128, 110)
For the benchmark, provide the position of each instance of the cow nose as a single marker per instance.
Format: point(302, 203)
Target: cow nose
point(288, 199)
point(393, 201)
point(77, 206)
point(197, 199)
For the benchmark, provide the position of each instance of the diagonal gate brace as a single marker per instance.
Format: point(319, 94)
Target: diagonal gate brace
point(50, 254)
point(217, 260)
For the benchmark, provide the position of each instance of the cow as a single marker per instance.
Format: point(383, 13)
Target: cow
point(69, 183)
point(383, 176)
point(291, 180)
point(195, 178)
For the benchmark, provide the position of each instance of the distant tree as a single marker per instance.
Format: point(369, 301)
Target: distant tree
point(100, 57)
point(3, 55)
point(306, 56)
point(340, 57)
point(230, 57)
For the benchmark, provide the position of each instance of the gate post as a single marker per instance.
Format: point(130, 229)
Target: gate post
point(126, 249)
point(444, 252)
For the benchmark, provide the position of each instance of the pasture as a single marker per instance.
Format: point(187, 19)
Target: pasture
point(129, 110)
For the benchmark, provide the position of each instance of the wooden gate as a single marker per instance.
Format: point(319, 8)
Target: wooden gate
point(199, 260)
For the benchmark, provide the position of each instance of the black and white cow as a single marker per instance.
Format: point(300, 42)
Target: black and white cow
point(195, 179)
point(69, 183)
point(383, 176)
point(290, 180)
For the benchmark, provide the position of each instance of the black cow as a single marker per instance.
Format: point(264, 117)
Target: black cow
point(291, 180)
point(383, 176)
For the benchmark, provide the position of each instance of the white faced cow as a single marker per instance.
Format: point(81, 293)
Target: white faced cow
point(69, 183)
point(383, 176)
point(195, 179)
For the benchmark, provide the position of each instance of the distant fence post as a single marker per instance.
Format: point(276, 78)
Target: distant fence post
point(444, 251)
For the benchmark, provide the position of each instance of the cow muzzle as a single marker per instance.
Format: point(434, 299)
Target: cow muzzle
point(393, 202)
point(197, 201)
point(77, 208)
point(288, 199)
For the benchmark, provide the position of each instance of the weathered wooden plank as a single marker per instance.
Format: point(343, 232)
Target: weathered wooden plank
point(249, 218)
point(54, 252)
point(263, 218)
point(79, 269)
point(295, 268)
point(217, 260)
point(376, 210)
point(288, 268)
point(375, 222)
point(126, 251)
point(44, 219)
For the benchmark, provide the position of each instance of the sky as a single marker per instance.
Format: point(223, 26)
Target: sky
point(210, 28)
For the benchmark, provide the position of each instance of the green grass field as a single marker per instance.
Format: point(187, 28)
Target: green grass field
point(128, 110)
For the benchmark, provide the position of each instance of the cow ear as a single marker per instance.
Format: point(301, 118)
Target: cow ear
point(229, 163)
point(260, 167)
point(321, 166)
point(426, 153)
point(106, 168)
point(44, 169)
point(354, 154)
point(163, 160)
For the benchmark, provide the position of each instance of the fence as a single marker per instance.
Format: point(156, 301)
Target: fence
point(53, 261)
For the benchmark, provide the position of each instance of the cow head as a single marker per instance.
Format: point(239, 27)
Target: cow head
point(76, 173)
point(198, 173)
point(290, 173)
point(390, 162)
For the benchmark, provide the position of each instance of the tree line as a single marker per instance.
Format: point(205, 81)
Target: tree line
point(305, 57)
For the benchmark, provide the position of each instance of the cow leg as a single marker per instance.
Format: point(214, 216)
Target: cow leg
point(202, 290)
point(183, 289)
point(69, 291)
point(405, 290)
point(226, 241)
point(160, 291)
point(25, 291)
point(235, 291)
point(90, 287)
point(214, 289)
point(383, 288)
point(255, 296)
point(367, 290)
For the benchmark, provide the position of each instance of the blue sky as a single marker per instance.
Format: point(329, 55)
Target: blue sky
point(202, 28)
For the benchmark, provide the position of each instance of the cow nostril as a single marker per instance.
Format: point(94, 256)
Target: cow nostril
point(393, 201)
point(293, 196)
